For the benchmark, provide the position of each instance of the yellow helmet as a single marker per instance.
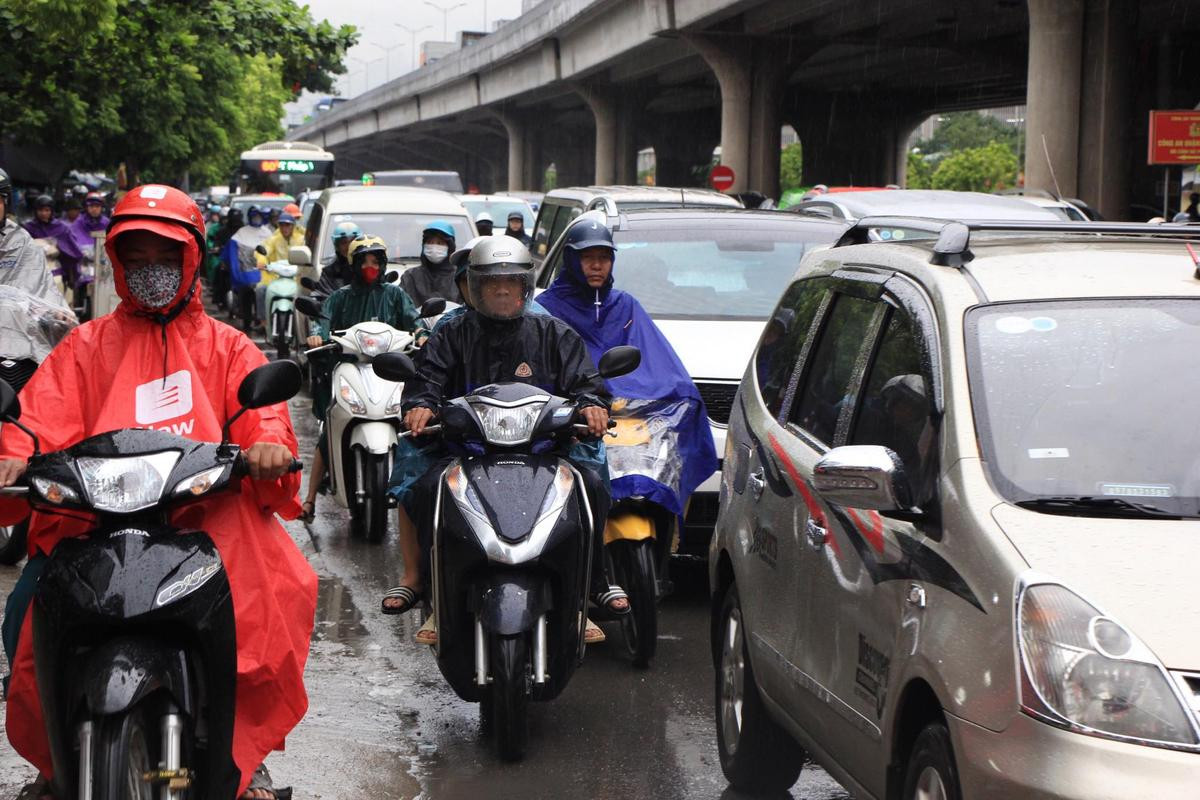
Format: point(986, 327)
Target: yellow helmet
point(364, 244)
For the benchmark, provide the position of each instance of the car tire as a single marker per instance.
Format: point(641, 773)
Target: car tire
point(930, 773)
point(757, 755)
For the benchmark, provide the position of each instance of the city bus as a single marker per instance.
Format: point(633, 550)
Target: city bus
point(284, 168)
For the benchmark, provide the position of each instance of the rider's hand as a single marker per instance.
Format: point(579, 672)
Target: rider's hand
point(315, 341)
point(596, 419)
point(268, 461)
point(10, 470)
point(417, 418)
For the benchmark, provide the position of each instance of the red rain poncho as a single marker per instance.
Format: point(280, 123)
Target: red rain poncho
point(108, 374)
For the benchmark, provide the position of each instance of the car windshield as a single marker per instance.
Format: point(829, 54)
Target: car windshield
point(1084, 406)
point(711, 272)
point(499, 210)
point(401, 232)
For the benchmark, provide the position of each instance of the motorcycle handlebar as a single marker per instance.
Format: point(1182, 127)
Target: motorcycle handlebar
point(581, 428)
point(428, 430)
point(14, 491)
point(323, 348)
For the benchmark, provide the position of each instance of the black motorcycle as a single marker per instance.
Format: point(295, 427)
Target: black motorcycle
point(134, 644)
point(511, 553)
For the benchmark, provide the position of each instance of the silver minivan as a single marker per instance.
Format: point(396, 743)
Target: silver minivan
point(956, 554)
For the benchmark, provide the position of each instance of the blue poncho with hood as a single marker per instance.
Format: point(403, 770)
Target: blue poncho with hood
point(609, 317)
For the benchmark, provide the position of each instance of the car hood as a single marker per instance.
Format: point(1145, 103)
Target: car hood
point(1142, 572)
point(717, 349)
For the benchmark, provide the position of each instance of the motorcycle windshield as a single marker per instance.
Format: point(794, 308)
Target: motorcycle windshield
point(646, 441)
point(29, 326)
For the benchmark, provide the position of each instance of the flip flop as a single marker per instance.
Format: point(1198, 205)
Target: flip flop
point(592, 633)
point(405, 594)
point(261, 780)
point(427, 634)
point(606, 599)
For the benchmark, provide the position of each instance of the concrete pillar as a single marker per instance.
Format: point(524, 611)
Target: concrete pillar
point(604, 109)
point(1105, 110)
point(534, 168)
point(1053, 95)
point(626, 154)
point(516, 152)
point(771, 70)
point(732, 67)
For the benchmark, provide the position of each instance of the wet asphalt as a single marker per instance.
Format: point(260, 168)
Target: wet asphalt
point(383, 725)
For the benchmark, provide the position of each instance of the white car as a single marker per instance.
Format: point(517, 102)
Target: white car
point(709, 277)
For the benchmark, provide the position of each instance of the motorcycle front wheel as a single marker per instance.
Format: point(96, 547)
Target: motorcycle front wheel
point(281, 327)
point(122, 757)
point(634, 569)
point(14, 542)
point(369, 518)
point(509, 707)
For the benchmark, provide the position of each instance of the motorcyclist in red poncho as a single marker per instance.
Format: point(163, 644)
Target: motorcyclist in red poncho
point(102, 377)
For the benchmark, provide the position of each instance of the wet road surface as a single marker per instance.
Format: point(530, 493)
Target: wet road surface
point(383, 725)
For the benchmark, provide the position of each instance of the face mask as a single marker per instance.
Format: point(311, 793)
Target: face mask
point(436, 253)
point(154, 285)
point(370, 274)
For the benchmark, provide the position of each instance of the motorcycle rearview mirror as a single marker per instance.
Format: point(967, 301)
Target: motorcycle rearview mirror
point(432, 307)
point(309, 307)
point(10, 411)
point(308, 283)
point(391, 276)
point(261, 250)
point(275, 382)
point(394, 367)
point(620, 360)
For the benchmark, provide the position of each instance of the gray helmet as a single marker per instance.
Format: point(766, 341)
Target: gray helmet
point(494, 258)
point(5, 194)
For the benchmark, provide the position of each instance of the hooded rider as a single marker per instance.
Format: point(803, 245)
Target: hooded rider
point(434, 276)
point(22, 261)
point(336, 273)
point(583, 296)
point(499, 341)
point(366, 297)
point(159, 360)
point(516, 228)
point(45, 226)
point(92, 220)
point(240, 254)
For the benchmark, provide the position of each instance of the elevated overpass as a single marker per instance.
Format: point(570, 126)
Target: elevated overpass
point(585, 84)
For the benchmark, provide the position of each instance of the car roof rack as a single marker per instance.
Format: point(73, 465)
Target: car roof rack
point(953, 245)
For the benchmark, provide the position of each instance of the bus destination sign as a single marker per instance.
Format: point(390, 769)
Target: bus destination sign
point(287, 165)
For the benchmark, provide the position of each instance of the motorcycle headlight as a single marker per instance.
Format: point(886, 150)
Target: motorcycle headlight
point(1084, 671)
point(200, 483)
point(125, 485)
point(350, 397)
point(505, 426)
point(395, 401)
point(372, 344)
point(55, 492)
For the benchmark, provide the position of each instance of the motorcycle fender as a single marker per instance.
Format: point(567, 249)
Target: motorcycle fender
point(512, 605)
point(283, 304)
point(628, 528)
point(121, 672)
point(374, 437)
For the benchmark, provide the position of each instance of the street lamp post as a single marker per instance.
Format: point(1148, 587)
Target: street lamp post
point(412, 39)
point(445, 16)
point(349, 75)
point(388, 51)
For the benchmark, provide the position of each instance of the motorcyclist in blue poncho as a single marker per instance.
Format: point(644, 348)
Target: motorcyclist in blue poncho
point(583, 296)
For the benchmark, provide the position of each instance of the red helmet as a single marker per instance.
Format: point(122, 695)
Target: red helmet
point(154, 201)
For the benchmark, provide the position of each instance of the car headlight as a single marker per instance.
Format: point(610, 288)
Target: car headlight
point(350, 397)
point(1086, 672)
point(372, 344)
point(513, 425)
point(125, 485)
point(395, 401)
point(55, 492)
point(199, 483)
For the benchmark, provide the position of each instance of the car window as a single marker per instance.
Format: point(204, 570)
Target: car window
point(561, 221)
point(783, 339)
point(895, 410)
point(550, 270)
point(545, 223)
point(831, 368)
point(822, 210)
point(313, 229)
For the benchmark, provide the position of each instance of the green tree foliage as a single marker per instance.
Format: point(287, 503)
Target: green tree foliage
point(791, 167)
point(965, 130)
point(978, 169)
point(919, 173)
point(167, 87)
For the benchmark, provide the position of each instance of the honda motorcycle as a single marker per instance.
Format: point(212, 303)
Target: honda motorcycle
point(280, 297)
point(511, 552)
point(133, 627)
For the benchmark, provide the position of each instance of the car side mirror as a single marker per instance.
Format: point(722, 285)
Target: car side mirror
point(432, 307)
point(300, 255)
point(10, 405)
point(866, 476)
point(309, 307)
point(620, 360)
point(394, 367)
point(275, 382)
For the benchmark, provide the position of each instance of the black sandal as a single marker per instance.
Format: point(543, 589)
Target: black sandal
point(405, 594)
point(606, 599)
point(308, 511)
point(261, 780)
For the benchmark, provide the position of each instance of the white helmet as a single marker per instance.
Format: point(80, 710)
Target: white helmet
point(496, 260)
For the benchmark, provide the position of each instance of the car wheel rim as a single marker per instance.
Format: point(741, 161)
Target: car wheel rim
point(930, 786)
point(733, 681)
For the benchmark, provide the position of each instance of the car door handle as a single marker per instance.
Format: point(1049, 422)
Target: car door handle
point(817, 534)
point(757, 482)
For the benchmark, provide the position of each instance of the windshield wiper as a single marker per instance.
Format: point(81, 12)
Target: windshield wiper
point(1099, 506)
